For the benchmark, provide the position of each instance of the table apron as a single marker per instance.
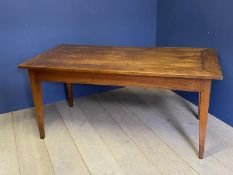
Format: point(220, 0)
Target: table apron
point(186, 84)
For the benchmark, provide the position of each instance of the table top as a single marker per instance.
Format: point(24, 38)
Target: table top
point(160, 62)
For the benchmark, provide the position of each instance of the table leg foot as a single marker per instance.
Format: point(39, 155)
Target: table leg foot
point(42, 132)
point(204, 97)
point(69, 93)
point(38, 102)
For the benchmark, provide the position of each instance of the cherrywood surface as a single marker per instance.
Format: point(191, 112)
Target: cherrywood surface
point(119, 80)
point(204, 97)
point(189, 69)
point(161, 62)
point(38, 101)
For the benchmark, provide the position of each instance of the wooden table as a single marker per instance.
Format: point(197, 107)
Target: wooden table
point(188, 69)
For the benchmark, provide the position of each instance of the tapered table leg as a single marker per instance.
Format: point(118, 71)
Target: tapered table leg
point(199, 105)
point(69, 93)
point(38, 102)
point(204, 97)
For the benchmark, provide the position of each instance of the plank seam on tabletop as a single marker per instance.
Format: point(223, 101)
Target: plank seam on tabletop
point(15, 143)
point(76, 146)
point(113, 95)
point(103, 141)
point(127, 134)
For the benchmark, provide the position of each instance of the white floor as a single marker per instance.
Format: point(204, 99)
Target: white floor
point(131, 131)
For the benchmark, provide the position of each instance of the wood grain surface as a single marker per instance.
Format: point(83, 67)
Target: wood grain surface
point(189, 69)
point(159, 62)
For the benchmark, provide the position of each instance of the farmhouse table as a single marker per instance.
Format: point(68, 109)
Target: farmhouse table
point(188, 69)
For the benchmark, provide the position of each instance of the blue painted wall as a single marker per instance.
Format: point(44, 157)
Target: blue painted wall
point(198, 23)
point(28, 27)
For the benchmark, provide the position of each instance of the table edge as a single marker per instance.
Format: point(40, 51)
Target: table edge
point(109, 72)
